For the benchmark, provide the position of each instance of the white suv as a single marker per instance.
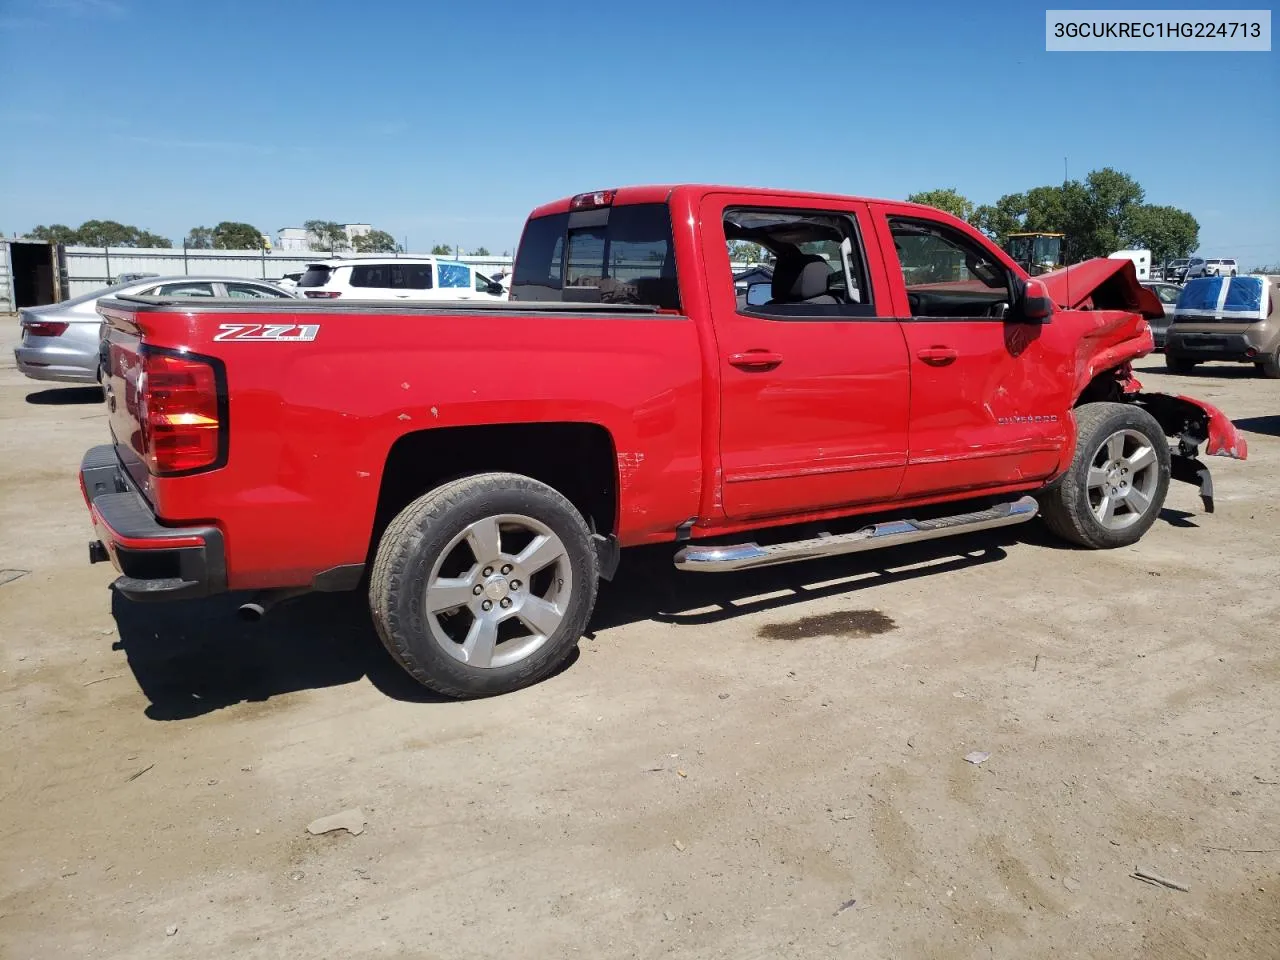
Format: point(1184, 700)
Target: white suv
point(396, 278)
point(1219, 268)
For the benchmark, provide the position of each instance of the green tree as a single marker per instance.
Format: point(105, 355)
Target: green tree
point(107, 233)
point(200, 238)
point(232, 235)
point(1001, 218)
point(327, 234)
point(442, 250)
point(481, 251)
point(947, 199)
point(55, 233)
point(1096, 215)
point(740, 251)
point(375, 241)
point(146, 238)
point(1166, 231)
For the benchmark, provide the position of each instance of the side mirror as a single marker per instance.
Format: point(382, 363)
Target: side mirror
point(758, 294)
point(1034, 304)
point(495, 288)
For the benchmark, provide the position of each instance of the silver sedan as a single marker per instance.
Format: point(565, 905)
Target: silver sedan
point(60, 341)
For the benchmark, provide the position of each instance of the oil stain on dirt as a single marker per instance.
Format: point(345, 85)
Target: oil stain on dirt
point(851, 624)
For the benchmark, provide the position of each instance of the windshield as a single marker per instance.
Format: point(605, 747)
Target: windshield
point(1047, 250)
point(618, 254)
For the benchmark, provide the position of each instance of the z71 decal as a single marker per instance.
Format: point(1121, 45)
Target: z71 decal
point(292, 332)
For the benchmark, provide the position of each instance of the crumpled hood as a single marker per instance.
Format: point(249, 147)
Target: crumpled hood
point(1101, 284)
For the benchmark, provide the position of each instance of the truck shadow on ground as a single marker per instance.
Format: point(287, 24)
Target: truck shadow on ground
point(65, 396)
point(197, 657)
point(1270, 425)
point(193, 658)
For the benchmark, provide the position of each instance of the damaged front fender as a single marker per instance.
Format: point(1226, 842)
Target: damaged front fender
point(1193, 422)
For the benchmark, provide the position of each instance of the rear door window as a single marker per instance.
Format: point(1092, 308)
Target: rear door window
point(620, 254)
point(371, 275)
point(410, 276)
point(247, 291)
point(185, 290)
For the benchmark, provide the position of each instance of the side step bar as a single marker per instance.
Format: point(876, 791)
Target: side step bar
point(748, 556)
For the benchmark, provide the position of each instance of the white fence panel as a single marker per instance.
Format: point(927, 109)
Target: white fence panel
point(91, 268)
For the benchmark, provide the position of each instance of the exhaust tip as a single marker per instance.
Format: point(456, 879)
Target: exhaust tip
point(251, 612)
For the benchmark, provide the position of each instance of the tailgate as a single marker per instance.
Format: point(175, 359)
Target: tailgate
point(122, 382)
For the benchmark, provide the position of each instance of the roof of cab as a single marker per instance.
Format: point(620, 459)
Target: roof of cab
point(663, 193)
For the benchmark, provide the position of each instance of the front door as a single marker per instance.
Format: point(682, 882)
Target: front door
point(813, 369)
point(988, 402)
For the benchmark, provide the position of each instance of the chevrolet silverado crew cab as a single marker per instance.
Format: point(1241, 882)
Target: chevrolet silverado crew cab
point(477, 467)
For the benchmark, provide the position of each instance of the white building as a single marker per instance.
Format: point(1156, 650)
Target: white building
point(293, 238)
point(297, 238)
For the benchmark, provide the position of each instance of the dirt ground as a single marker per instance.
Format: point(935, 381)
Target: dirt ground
point(764, 765)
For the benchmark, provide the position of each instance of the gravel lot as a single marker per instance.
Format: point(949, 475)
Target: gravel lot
point(765, 765)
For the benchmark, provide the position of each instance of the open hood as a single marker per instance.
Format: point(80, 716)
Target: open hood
point(1101, 284)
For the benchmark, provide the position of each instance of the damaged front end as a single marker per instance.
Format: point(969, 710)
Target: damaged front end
point(1109, 291)
point(1192, 422)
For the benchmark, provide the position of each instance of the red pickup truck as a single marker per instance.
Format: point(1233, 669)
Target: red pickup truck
point(479, 465)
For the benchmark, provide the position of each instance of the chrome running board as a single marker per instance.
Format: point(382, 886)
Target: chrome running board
point(747, 556)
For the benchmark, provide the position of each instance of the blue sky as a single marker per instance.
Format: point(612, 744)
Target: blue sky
point(448, 122)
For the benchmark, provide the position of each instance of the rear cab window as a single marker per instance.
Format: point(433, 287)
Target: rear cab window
point(610, 254)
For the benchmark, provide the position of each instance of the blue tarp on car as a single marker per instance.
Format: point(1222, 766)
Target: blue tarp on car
point(1224, 298)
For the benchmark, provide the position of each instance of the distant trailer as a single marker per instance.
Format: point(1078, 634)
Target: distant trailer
point(1141, 261)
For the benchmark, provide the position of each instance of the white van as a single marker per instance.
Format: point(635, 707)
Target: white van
point(396, 278)
point(1141, 261)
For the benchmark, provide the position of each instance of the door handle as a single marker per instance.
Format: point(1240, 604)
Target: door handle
point(938, 356)
point(755, 360)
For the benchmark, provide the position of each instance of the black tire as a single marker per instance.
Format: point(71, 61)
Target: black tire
point(1178, 364)
point(1270, 367)
point(1066, 507)
point(424, 530)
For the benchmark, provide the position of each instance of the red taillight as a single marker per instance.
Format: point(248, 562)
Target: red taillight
point(45, 328)
point(589, 201)
point(181, 426)
point(322, 294)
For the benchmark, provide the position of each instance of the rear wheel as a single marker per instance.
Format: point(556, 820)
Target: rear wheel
point(484, 585)
point(1178, 364)
point(1116, 484)
point(1270, 367)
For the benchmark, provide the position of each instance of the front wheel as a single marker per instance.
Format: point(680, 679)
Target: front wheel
point(1116, 484)
point(484, 585)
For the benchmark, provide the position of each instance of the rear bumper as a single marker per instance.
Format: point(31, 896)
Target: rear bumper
point(41, 364)
point(156, 562)
point(1212, 346)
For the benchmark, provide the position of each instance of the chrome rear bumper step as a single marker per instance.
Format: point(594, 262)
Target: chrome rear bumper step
point(747, 556)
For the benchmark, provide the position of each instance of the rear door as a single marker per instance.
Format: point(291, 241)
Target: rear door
point(814, 381)
point(987, 401)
